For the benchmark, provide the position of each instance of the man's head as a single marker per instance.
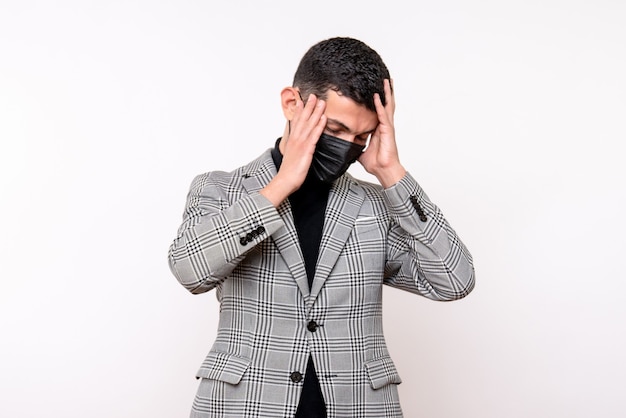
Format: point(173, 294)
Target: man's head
point(345, 65)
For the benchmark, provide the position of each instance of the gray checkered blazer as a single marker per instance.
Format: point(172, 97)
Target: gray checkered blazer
point(234, 241)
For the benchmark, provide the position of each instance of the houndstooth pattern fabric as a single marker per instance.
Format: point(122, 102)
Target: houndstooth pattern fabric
point(234, 241)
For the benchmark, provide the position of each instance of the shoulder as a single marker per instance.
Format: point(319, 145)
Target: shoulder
point(373, 191)
point(234, 179)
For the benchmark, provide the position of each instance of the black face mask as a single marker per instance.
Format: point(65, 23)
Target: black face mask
point(332, 157)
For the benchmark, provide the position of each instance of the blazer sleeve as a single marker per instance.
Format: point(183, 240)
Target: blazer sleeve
point(216, 234)
point(424, 254)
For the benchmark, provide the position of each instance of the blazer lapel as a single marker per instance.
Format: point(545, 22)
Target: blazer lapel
point(344, 203)
point(286, 240)
point(256, 176)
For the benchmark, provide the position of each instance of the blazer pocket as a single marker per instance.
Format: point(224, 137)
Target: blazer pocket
point(382, 372)
point(366, 219)
point(224, 367)
point(366, 226)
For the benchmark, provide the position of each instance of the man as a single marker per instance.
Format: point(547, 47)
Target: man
point(298, 250)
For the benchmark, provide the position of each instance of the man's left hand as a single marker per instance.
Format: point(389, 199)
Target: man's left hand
point(381, 157)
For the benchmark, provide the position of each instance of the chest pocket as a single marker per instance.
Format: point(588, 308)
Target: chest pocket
point(369, 239)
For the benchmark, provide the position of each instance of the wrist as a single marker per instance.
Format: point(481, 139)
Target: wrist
point(277, 191)
point(387, 177)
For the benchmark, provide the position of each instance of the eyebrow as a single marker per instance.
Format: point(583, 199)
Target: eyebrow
point(345, 127)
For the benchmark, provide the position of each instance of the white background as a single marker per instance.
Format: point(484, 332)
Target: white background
point(511, 115)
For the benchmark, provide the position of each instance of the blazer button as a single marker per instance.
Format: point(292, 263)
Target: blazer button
point(296, 377)
point(243, 241)
point(312, 326)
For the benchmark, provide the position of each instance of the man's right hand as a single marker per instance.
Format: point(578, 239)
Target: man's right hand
point(306, 127)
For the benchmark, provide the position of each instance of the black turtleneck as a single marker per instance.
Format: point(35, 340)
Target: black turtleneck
point(308, 205)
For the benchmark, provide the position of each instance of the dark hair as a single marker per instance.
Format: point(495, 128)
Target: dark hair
point(345, 65)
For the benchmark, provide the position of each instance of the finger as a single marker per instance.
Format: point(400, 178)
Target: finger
point(308, 125)
point(381, 112)
point(389, 98)
point(313, 112)
point(310, 115)
point(301, 114)
point(308, 106)
point(319, 127)
point(318, 111)
point(297, 112)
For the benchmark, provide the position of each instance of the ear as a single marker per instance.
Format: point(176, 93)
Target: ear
point(289, 96)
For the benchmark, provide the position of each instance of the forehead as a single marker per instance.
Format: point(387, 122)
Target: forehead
point(346, 111)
